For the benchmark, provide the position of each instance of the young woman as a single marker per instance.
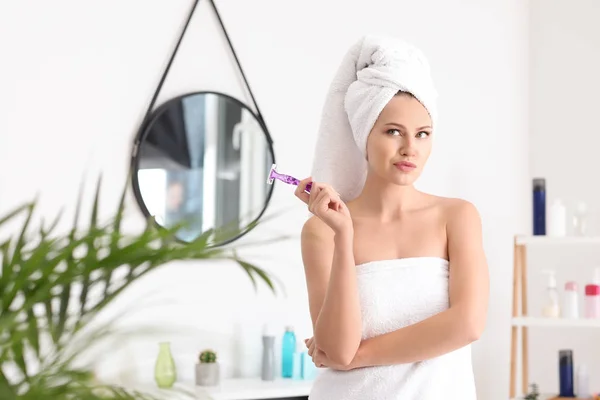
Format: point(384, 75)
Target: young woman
point(397, 278)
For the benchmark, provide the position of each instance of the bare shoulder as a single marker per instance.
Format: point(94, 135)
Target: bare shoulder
point(317, 243)
point(459, 210)
point(457, 214)
point(315, 228)
point(452, 209)
point(462, 218)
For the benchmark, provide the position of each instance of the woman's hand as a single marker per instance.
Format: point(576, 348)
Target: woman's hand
point(320, 359)
point(325, 203)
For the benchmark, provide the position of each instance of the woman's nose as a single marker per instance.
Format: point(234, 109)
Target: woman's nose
point(408, 149)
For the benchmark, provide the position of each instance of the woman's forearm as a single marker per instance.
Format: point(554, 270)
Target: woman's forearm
point(433, 337)
point(338, 328)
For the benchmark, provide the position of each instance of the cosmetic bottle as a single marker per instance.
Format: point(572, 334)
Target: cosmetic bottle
point(551, 308)
point(565, 372)
point(583, 382)
point(592, 297)
point(297, 361)
point(288, 347)
point(571, 301)
point(592, 301)
point(580, 219)
point(309, 369)
point(539, 206)
point(557, 219)
point(268, 370)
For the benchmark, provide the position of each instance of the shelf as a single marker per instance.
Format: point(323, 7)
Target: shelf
point(255, 388)
point(550, 240)
point(556, 322)
point(554, 397)
point(231, 389)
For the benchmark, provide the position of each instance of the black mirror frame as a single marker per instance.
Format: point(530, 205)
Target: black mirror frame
point(143, 133)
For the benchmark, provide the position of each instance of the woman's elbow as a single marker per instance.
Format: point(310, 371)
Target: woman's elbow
point(337, 351)
point(342, 357)
point(474, 328)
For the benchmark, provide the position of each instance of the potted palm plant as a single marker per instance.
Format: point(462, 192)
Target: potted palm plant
point(46, 305)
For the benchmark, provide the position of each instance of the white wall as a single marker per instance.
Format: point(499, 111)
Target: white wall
point(564, 87)
point(83, 79)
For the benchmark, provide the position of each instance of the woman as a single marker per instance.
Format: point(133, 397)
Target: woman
point(397, 278)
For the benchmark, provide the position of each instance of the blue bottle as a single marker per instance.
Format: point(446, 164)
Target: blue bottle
point(309, 369)
point(539, 206)
point(297, 368)
point(288, 348)
point(565, 371)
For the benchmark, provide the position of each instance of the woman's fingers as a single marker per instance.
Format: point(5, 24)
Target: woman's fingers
point(300, 190)
point(316, 203)
point(327, 199)
point(308, 342)
point(314, 353)
point(320, 359)
point(321, 198)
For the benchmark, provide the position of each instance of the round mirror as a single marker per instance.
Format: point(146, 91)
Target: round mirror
point(202, 160)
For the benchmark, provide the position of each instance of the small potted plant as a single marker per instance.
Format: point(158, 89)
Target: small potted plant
point(534, 394)
point(207, 370)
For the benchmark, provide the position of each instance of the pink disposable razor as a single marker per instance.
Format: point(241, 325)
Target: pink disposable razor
point(285, 178)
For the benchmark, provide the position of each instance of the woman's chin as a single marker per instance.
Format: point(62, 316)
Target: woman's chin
point(404, 178)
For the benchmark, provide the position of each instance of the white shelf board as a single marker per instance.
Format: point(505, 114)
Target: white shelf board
point(550, 240)
point(255, 388)
point(556, 322)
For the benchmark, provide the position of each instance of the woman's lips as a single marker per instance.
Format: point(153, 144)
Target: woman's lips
point(405, 166)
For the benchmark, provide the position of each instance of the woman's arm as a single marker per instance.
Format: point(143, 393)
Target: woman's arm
point(456, 327)
point(332, 290)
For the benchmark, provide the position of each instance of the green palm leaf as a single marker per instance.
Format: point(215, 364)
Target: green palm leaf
point(42, 270)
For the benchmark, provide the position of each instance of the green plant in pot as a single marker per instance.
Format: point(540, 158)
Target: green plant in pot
point(53, 286)
point(534, 394)
point(207, 369)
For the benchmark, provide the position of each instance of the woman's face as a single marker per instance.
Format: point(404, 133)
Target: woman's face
point(400, 142)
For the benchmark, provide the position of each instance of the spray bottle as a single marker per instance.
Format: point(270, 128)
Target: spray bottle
point(551, 308)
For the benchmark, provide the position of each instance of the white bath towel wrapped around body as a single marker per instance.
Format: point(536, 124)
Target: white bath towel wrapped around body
point(394, 294)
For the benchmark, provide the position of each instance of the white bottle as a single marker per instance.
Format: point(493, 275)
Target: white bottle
point(571, 301)
point(551, 308)
point(580, 219)
point(557, 219)
point(583, 383)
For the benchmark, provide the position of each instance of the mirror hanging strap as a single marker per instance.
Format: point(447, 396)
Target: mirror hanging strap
point(230, 44)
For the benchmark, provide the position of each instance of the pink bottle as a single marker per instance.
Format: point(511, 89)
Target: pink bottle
point(592, 301)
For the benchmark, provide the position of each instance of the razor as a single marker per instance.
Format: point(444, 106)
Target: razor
point(290, 180)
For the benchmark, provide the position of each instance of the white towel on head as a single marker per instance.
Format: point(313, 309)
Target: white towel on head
point(371, 73)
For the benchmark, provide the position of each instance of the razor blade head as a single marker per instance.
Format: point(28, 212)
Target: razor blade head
point(272, 174)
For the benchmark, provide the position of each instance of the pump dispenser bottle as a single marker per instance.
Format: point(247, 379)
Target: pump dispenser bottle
point(551, 308)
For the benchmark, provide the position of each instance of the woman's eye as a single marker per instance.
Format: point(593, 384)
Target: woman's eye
point(394, 132)
point(422, 134)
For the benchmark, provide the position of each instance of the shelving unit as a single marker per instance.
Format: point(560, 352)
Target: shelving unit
point(520, 318)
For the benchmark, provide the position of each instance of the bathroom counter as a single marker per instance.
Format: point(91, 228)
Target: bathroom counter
point(255, 389)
